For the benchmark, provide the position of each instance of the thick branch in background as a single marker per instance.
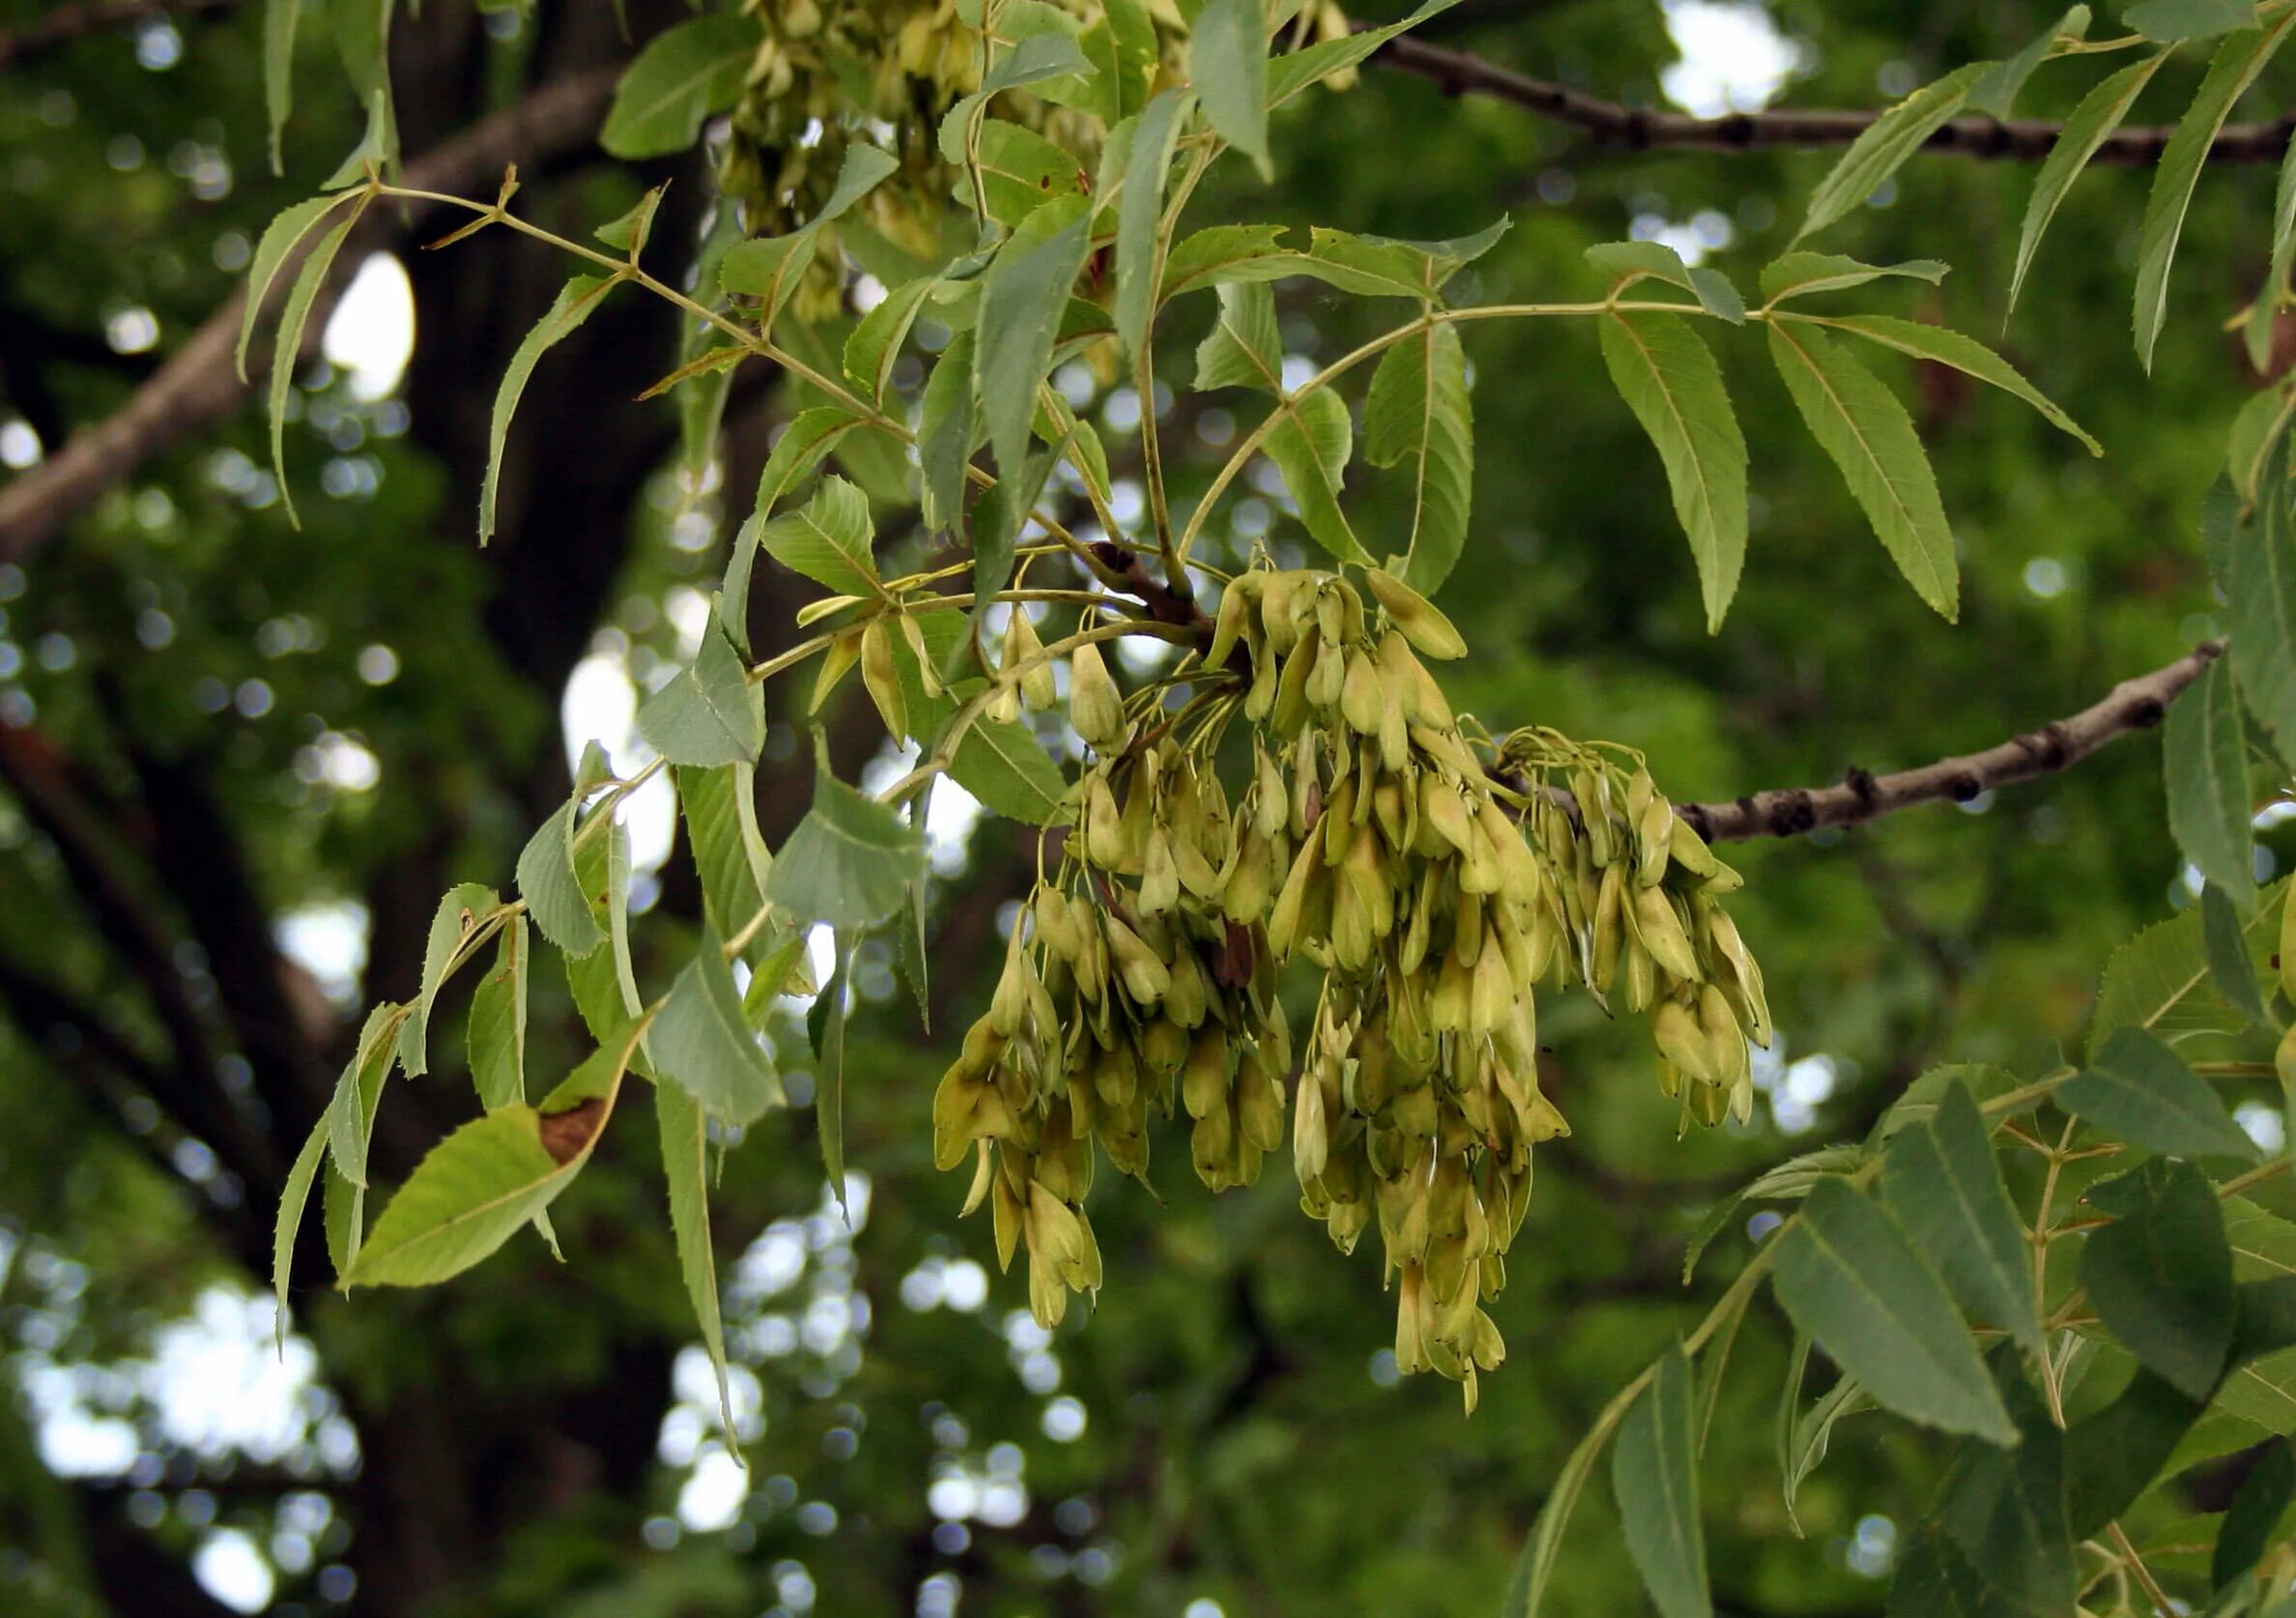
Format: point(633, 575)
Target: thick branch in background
point(199, 385)
point(66, 24)
point(1643, 129)
point(2134, 705)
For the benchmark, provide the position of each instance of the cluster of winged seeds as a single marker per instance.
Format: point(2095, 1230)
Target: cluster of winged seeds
point(1434, 881)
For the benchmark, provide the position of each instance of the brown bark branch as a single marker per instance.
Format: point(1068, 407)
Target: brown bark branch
point(66, 24)
point(2134, 705)
point(1462, 72)
point(199, 385)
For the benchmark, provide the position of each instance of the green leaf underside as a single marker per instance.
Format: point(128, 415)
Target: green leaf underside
point(552, 889)
point(2171, 20)
point(2100, 113)
point(1228, 57)
point(291, 224)
point(1310, 443)
point(1810, 1434)
point(1654, 1479)
point(287, 1223)
point(2139, 1088)
point(1940, 1178)
point(2264, 312)
point(1789, 1181)
point(702, 1043)
point(1865, 430)
point(1138, 208)
point(2204, 764)
point(1296, 71)
point(1670, 381)
point(466, 908)
point(2160, 1276)
point(732, 867)
point(685, 1162)
point(497, 1042)
point(478, 1187)
point(2260, 601)
point(1892, 138)
point(351, 1114)
point(1965, 353)
point(1801, 273)
point(831, 1009)
point(848, 863)
point(2235, 67)
point(2160, 979)
point(1995, 94)
point(278, 69)
point(682, 75)
point(1848, 1276)
point(1418, 409)
point(2228, 965)
point(797, 452)
point(1022, 298)
point(830, 540)
point(292, 318)
point(575, 303)
point(710, 714)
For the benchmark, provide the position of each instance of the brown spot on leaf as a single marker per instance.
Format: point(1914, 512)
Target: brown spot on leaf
point(568, 1135)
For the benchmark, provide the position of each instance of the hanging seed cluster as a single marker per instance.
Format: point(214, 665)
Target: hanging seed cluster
point(1434, 882)
point(824, 66)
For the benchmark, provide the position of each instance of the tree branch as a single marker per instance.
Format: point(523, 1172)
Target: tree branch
point(2134, 705)
point(1462, 72)
point(47, 1015)
point(199, 384)
point(66, 24)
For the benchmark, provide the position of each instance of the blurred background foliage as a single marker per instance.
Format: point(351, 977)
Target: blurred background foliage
point(239, 761)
